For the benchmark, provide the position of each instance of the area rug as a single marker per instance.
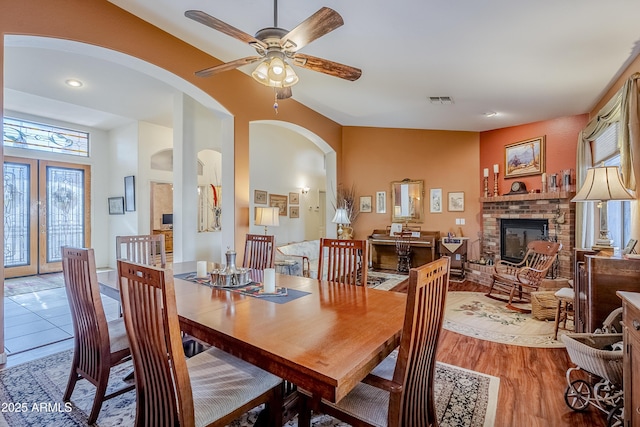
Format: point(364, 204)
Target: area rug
point(384, 281)
point(32, 393)
point(475, 315)
point(25, 285)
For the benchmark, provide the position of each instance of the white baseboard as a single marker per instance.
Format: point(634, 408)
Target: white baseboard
point(3, 358)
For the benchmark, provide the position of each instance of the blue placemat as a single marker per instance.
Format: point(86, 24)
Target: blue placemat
point(252, 289)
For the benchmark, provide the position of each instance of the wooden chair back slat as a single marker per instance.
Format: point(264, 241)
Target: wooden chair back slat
point(415, 367)
point(346, 261)
point(259, 252)
point(93, 356)
point(146, 249)
point(164, 395)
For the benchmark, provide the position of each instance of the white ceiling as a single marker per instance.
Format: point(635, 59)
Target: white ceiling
point(525, 60)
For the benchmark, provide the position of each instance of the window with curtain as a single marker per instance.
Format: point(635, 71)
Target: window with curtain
point(606, 153)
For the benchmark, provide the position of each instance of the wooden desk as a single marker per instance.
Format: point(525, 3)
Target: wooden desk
point(383, 249)
point(325, 342)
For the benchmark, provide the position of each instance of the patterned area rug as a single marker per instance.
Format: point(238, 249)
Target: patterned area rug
point(475, 315)
point(384, 281)
point(33, 395)
point(25, 285)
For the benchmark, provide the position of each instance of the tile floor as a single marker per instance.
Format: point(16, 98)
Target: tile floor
point(40, 318)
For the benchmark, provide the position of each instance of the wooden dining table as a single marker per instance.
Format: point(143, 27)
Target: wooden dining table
point(326, 340)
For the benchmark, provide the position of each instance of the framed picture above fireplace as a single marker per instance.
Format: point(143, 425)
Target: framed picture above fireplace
point(524, 158)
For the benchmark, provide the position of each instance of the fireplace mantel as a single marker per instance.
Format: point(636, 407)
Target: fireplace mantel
point(529, 196)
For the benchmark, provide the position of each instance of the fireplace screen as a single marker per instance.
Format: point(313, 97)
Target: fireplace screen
point(515, 234)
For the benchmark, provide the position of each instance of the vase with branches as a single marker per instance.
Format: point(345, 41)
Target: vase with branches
point(346, 198)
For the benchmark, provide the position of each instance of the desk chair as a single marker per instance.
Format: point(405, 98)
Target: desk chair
point(259, 252)
point(212, 388)
point(98, 345)
point(519, 280)
point(146, 249)
point(399, 392)
point(344, 261)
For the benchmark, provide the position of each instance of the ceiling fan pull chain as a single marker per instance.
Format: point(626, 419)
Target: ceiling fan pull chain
point(275, 100)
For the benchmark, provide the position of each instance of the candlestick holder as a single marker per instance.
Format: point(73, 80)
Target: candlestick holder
point(495, 184)
point(486, 186)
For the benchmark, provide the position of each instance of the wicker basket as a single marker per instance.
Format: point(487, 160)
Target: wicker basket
point(544, 305)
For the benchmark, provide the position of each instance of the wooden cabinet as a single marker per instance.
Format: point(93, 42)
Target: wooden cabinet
point(631, 367)
point(168, 239)
point(596, 281)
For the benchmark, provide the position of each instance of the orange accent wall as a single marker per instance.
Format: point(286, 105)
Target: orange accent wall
point(374, 157)
point(561, 141)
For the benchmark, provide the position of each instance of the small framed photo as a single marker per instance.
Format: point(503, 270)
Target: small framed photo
point(280, 202)
point(260, 197)
point(294, 198)
point(456, 201)
point(381, 202)
point(294, 211)
point(435, 200)
point(116, 205)
point(365, 203)
point(524, 158)
point(130, 193)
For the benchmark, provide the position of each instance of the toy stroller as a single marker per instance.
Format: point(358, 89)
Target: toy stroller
point(599, 354)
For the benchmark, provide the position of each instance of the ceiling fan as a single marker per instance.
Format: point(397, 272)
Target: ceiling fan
point(276, 45)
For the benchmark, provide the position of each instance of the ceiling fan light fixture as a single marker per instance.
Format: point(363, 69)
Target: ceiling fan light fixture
point(276, 69)
point(261, 73)
point(291, 77)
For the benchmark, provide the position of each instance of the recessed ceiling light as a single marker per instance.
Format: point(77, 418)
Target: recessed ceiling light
point(73, 83)
point(490, 114)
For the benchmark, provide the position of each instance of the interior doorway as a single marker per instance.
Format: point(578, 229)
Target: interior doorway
point(46, 206)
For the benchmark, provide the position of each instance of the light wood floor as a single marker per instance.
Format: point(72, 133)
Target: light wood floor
point(532, 380)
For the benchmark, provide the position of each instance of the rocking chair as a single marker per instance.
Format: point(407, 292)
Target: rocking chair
point(519, 280)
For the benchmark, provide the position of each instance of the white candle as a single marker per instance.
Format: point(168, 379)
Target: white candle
point(269, 283)
point(201, 270)
point(486, 172)
point(496, 168)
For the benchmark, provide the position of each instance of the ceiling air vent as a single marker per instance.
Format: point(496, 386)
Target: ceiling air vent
point(440, 100)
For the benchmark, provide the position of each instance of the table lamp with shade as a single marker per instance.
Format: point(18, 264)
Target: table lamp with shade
point(601, 185)
point(341, 218)
point(267, 217)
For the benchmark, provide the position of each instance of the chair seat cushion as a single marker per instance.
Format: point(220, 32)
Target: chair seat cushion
point(117, 335)
point(221, 383)
point(509, 278)
point(565, 293)
point(369, 403)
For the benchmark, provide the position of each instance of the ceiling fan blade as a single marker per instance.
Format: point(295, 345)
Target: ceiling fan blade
point(227, 66)
point(223, 27)
point(317, 25)
point(327, 67)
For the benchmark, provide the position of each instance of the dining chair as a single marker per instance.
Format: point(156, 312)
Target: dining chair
point(212, 388)
point(259, 252)
point(98, 345)
point(519, 280)
point(399, 391)
point(343, 261)
point(146, 249)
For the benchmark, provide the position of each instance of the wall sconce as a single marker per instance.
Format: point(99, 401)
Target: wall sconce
point(305, 190)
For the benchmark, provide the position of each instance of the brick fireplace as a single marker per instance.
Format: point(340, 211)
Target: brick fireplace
point(556, 208)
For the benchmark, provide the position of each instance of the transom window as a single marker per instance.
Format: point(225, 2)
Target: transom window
point(37, 136)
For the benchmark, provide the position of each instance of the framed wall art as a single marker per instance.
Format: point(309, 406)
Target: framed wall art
point(381, 202)
point(435, 200)
point(280, 202)
point(456, 201)
point(294, 198)
point(524, 158)
point(130, 193)
point(365, 203)
point(294, 211)
point(260, 197)
point(116, 205)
